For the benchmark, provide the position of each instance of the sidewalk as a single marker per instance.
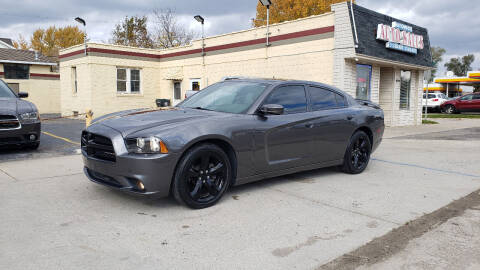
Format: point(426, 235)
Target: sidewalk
point(443, 125)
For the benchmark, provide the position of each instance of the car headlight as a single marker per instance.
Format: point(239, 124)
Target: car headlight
point(29, 117)
point(150, 145)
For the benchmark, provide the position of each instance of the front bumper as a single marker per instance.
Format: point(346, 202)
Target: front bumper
point(22, 135)
point(154, 171)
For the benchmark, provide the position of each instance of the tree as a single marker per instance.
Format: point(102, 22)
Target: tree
point(132, 31)
point(49, 41)
point(437, 57)
point(287, 10)
point(461, 66)
point(169, 32)
point(21, 43)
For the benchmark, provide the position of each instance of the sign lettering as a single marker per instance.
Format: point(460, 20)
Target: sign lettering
point(400, 37)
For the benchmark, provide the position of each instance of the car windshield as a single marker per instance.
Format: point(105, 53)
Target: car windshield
point(229, 97)
point(5, 91)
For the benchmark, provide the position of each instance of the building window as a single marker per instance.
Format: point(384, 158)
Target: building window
point(55, 68)
point(364, 76)
point(128, 80)
point(177, 91)
point(74, 80)
point(405, 85)
point(195, 84)
point(16, 71)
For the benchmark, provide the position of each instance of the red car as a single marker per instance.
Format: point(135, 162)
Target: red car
point(466, 103)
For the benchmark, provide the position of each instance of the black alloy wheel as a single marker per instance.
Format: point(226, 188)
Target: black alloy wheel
point(358, 153)
point(202, 177)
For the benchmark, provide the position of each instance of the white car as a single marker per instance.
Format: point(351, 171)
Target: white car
point(190, 93)
point(434, 100)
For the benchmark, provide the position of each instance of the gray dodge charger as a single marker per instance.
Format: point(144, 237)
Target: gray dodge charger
point(231, 133)
point(19, 119)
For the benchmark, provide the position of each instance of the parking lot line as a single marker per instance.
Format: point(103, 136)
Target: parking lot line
point(60, 138)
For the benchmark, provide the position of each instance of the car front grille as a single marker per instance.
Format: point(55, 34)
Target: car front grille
point(98, 147)
point(9, 122)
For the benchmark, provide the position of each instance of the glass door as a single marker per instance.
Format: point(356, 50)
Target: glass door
point(364, 77)
point(177, 92)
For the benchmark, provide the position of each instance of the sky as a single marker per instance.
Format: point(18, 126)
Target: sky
point(453, 25)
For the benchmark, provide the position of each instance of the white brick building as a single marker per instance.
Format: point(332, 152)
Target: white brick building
point(339, 48)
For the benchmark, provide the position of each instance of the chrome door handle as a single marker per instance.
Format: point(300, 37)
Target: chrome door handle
point(349, 117)
point(309, 125)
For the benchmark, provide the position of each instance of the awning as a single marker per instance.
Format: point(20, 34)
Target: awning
point(173, 74)
point(473, 78)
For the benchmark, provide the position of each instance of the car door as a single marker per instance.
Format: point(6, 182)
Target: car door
point(284, 141)
point(476, 103)
point(464, 104)
point(332, 124)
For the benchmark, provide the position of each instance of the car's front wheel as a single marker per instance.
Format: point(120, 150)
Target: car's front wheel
point(358, 153)
point(202, 176)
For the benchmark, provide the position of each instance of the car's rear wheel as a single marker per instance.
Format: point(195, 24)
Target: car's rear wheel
point(450, 109)
point(202, 176)
point(358, 153)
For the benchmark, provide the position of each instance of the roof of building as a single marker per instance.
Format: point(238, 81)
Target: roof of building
point(24, 57)
point(7, 41)
point(367, 22)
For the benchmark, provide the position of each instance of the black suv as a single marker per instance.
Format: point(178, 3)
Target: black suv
point(19, 119)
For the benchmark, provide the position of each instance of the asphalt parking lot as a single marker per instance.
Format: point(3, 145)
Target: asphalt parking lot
point(59, 137)
point(53, 218)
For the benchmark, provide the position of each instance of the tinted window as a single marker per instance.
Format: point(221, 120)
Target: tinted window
point(324, 99)
point(16, 71)
point(476, 97)
point(292, 98)
point(469, 97)
point(340, 100)
point(5, 91)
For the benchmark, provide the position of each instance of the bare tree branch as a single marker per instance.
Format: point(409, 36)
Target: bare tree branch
point(168, 31)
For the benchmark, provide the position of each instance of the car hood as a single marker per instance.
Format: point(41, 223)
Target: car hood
point(14, 106)
point(129, 122)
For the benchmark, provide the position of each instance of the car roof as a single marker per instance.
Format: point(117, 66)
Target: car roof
point(276, 81)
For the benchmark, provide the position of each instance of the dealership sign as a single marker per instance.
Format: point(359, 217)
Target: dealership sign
point(400, 37)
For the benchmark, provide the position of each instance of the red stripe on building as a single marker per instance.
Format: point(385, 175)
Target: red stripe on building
point(71, 54)
point(1, 73)
point(57, 76)
point(317, 31)
point(137, 54)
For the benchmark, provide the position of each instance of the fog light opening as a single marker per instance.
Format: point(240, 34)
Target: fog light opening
point(140, 186)
point(33, 137)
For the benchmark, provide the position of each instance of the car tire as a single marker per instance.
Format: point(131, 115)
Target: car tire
point(202, 176)
point(450, 109)
point(358, 153)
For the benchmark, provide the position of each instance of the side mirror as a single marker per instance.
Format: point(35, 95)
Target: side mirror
point(22, 95)
point(273, 109)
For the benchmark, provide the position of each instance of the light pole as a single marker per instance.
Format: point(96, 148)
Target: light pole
point(267, 3)
point(201, 20)
point(82, 21)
